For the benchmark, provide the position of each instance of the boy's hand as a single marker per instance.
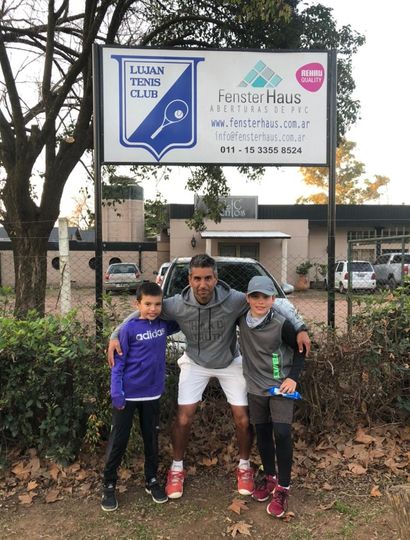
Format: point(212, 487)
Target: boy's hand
point(288, 386)
point(303, 340)
point(113, 346)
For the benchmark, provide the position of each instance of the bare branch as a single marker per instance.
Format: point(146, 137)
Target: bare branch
point(12, 93)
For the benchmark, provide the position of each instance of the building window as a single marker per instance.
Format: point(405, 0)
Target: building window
point(55, 263)
point(373, 233)
point(115, 260)
point(238, 250)
point(91, 263)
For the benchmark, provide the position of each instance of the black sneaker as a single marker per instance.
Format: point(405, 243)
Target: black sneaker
point(156, 491)
point(109, 501)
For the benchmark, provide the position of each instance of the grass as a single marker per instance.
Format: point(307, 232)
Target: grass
point(345, 509)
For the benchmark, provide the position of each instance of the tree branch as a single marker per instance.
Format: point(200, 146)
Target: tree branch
point(13, 96)
point(177, 20)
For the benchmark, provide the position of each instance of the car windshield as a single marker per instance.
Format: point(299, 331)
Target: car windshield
point(123, 269)
point(398, 258)
point(361, 266)
point(236, 274)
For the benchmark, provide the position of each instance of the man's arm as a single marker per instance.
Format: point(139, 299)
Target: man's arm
point(289, 337)
point(288, 310)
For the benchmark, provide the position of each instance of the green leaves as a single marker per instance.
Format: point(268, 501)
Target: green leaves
point(51, 383)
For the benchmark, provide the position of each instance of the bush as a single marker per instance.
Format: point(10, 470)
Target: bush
point(363, 375)
point(54, 382)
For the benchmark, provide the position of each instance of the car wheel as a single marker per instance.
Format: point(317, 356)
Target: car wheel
point(391, 283)
point(341, 288)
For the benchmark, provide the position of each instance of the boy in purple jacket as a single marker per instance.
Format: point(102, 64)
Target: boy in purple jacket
point(137, 382)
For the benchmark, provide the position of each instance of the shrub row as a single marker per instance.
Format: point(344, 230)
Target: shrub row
point(361, 376)
point(55, 382)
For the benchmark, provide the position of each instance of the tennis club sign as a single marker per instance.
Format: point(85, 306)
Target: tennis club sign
point(224, 107)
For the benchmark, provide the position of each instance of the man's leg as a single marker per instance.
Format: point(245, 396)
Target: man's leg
point(233, 384)
point(244, 472)
point(179, 436)
point(243, 430)
point(192, 382)
point(181, 430)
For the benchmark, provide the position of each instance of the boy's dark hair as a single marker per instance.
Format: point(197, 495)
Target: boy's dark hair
point(148, 288)
point(203, 261)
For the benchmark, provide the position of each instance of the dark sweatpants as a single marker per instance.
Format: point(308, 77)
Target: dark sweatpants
point(120, 432)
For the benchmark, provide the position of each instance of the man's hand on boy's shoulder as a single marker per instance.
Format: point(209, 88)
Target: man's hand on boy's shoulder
point(113, 347)
point(303, 342)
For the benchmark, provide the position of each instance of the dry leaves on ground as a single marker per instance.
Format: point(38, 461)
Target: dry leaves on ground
point(240, 528)
point(237, 506)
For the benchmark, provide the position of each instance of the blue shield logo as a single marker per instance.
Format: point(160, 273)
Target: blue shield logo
point(157, 109)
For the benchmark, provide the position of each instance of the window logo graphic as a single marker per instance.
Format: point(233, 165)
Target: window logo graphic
point(261, 76)
point(157, 102)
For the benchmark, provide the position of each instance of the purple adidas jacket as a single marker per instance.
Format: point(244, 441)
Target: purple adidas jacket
point(140, 371)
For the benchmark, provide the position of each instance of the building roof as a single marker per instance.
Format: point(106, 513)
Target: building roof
point(74, 233)
point(370, 215)
point(244, 234)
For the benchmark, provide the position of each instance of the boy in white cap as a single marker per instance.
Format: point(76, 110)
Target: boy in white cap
point(271, 358)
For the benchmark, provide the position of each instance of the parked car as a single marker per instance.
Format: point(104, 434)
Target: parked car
point(161, 272)
point(122, 277)
point(235, 271)
point(363, 276)
point(388, 268)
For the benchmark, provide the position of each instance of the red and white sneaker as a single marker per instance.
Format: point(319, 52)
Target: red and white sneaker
point(279, 503)
point(175, 484)
point(244, 476)
point(267, 487)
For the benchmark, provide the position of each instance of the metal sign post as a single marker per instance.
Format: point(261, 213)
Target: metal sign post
point(331, 204)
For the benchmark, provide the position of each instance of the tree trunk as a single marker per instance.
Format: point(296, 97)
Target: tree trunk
point(30, 270)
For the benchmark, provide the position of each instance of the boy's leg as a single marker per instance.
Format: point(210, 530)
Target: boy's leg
point(117, 444)
point(260, 416)
point(282, 415)
point(284, 451)
point(149, 424)
point(266, 447)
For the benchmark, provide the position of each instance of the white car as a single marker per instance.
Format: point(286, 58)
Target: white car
point(161, 272)
point(122, 277)
point(363, 276)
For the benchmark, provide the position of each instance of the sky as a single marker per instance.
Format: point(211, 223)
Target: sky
point(382, 78)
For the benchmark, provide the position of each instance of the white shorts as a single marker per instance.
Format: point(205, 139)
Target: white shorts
point(194, 378)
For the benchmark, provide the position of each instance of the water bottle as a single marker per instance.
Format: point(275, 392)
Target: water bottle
point(274, 391)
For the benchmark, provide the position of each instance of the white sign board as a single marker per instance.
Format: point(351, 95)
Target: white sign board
point(223, 107)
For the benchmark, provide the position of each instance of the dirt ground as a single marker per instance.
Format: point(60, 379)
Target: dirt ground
point(333, 508)
point(348, 512)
